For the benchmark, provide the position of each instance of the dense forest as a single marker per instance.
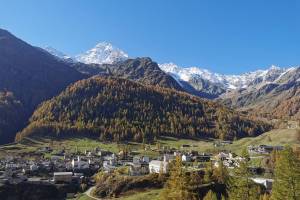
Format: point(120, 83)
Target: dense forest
point(288, 109)
point(118, 109)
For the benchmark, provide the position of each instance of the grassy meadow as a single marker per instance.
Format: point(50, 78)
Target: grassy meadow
point(31, 145)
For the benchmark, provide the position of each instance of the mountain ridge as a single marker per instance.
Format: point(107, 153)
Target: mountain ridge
point(30, 75)
point(200, 81)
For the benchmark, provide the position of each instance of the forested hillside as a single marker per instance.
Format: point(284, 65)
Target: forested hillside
point(119, 109)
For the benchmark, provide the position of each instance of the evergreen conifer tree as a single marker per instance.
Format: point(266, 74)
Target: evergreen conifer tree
point(210, 196)
point(242, 187)
point(287, 176)
point(177, 185)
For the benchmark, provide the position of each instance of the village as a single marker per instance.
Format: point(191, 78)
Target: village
point(62, 168)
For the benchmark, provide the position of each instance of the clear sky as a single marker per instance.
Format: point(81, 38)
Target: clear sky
point(225, 36)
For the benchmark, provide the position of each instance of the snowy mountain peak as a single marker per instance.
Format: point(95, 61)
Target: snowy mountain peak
point(274, 67)
point(103, 52)
point(104, 45)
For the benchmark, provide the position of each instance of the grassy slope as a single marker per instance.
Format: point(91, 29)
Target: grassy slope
point(274, 137)
point(31, 145)
point(147, 195)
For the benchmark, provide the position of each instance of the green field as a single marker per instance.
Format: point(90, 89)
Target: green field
point(275, 137)
point(82, 197)
point(146, 195)
point(70, 145)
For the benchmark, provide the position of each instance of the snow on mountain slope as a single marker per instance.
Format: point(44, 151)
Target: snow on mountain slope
point(231, 82)
point(198, 78)
point(58, 54)
point(102, 53)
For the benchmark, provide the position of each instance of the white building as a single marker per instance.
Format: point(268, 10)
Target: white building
point(186, 158)
point(155, 166)
point(80, 164)
point(33, 167)
point(224, 156)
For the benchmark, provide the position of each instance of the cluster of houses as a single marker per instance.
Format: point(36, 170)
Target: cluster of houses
point(61, 167)
point(141, 165)
point(264, 149)
point(229, 160)
point(15, 169)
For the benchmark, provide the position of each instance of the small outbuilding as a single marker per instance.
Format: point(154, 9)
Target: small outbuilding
point(65, 177)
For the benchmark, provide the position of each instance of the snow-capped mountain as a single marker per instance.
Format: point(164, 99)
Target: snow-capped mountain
point(195, 80)
point(229, 82)
point(58, 54)
point(102, 53)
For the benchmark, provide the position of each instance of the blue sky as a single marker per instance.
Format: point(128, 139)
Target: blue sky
point(230, 37)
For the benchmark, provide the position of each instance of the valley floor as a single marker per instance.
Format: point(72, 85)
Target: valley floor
point(30, 145)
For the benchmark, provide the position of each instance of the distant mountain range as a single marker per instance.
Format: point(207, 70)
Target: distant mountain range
point(105, 59)
point(271, 93)
point(228, 82)
point(201, 80)
point(30, 75)
point(261, 92)
point(276, 95)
